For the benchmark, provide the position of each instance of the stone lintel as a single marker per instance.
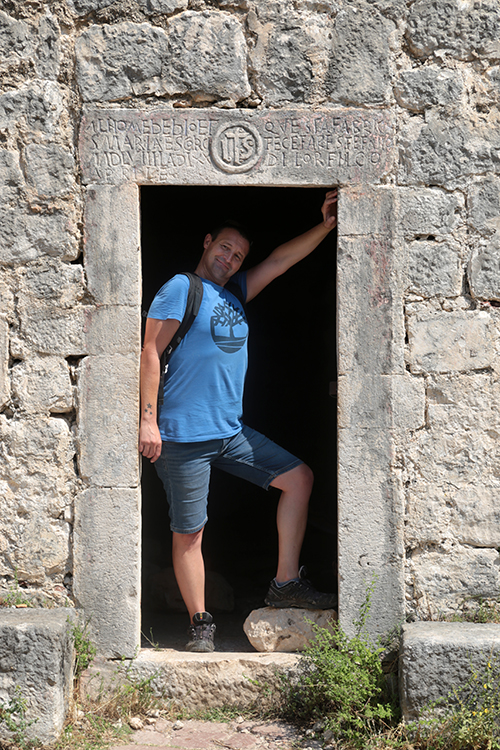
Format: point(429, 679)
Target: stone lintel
point(216, 147)
point(107, 564)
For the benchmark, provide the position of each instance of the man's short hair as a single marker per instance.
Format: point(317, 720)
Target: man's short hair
point(232, 224)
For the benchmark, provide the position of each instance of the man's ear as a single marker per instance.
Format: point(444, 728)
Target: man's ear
point(207, 241)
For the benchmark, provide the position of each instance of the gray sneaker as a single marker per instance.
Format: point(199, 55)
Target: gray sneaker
point(301, 594)
point(201, 633)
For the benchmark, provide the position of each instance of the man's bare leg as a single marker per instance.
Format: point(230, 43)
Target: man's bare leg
point(296, 486)
point(189, 570)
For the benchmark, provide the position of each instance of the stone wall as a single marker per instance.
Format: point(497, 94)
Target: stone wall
point(434, 68)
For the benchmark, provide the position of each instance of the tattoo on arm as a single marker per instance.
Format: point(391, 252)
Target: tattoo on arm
point(148, 409)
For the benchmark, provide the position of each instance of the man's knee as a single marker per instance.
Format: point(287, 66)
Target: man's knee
point(300, 478)
point(186, 541)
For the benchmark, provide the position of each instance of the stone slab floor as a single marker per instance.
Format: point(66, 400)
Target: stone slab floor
point(204, 735)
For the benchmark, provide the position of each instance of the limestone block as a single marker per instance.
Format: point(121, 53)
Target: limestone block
point(43, 384)
point(364, 211)
point(119, 61)
point(444, 578)
point(113, 330)
point(450, 342)
point(364, 401)
point(41, 103)
point(107, 562)
point(50, 169)
point(112, 244)
point(434, 268)
point(4, 361)
point(207, 56)
point(428, 211)
point(475, 516)
point(82, 7)
point(436, 658)
point(443, 151)
point(291, 59)
point(51, 280)
point(15, 38)
point(484, 272)
point(222, 679)
point(163, 6)
point(369, 314)
point(484, 205)
point(10, 170)
point(370, 528)
point(428, 512)
point(36, 657)
point(48, 53)
point(49, 330)
point(27, 236)
point(421, 88)
point(359, 67)
point(43, 550)
point(108, 416)
point(408, 402)
point(287, 630)
point(461, 31)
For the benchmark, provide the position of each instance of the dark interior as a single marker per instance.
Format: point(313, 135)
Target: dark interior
point(292, 370)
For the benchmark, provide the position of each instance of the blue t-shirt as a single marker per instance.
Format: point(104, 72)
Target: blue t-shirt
point(203, 390)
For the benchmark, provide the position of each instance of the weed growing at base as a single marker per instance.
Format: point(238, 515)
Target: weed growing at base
point(13, 716)
point(340, 682)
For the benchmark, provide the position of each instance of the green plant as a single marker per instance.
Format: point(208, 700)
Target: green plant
point(16, 596)
point(13, 716)
point(477, 609)
point(85, 651)
point(340, 681)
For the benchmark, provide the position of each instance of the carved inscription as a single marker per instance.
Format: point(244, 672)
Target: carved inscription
point(194, 146)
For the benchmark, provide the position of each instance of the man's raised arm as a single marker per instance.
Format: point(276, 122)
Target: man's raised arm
point(157, 337)
point(285, 256)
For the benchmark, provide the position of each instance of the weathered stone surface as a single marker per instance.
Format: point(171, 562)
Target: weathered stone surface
point(427, 87)
point(107, 567)
point(35, 532)
point(461, 31)
point(49, 330)
point(359, 67)
point(163, 6)
point(82, 7)
point(364, 402)
point(113, 330)
point(203, 53)
point(434, 268)
point(484, 272)
point(112, 249)
point(207, 56)
point(436, 658)
point(41, 103)
point(450, 342)
point(428, 211)
point(484, 205)
point(10, 170)
point(43, 384)
point(4, 361)
point(286, 630)
point(290, 147)
point(475, 516)
point(291, 59)
point(50, 169)
point(15, 38)
point(36, 658)
point(444, 151)
point(427, 517)
point(48, 52)
point(408, 402)
point(364, 211)
point(27, 236)
point(108, 420)
point(443, 579)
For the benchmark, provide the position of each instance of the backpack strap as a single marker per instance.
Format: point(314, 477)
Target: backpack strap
point(195, 295)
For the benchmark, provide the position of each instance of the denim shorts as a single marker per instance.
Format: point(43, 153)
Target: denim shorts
point(184, 469)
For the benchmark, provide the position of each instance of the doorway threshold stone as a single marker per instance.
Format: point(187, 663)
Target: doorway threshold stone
point(193, 682)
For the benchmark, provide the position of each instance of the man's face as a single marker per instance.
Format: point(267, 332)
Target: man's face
point(223, 256)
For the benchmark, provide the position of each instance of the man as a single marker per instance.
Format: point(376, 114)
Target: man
point(200, 422)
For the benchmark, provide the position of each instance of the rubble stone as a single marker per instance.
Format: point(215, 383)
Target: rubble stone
point(428, 211)
point(427, 87)
point(36, 657)
point(484, 272)
point(15, 38)
point(475, 516)
point(484, 205)
point(286, 630)
point(43, 384)
point(50, 169)
point(450, 342)
point(163, 6)
point(359, 67)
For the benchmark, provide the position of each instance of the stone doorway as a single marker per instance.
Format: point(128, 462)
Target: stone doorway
point(292, 366)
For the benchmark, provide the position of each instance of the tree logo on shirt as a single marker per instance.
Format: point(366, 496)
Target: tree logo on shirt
point(228, 326)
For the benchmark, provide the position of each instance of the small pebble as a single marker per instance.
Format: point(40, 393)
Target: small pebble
point(242, 730)
point(150, 721)
point(154, 713)
point(178, 724)
point(136, 723)
point(240, 720)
